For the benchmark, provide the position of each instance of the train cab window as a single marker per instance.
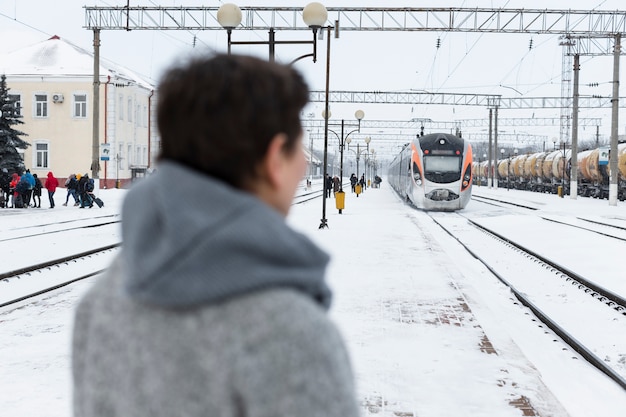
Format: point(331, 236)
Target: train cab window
point(439, 163)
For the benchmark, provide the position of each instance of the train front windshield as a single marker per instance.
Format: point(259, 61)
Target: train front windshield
point(442, 164)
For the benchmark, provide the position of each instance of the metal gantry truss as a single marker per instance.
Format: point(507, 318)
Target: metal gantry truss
point(449, 19)
point(589, 45)
point(413, 126)
point(484, 100)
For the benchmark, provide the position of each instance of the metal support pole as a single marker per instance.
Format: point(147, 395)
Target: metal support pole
point(342, 142)
point(95, 143)
point(272, 44)
point(357, 161)
point(495, 146)
point(573, 175)
point(324, 222)
point(614, 123)
point(564, 163)
point(489, 175)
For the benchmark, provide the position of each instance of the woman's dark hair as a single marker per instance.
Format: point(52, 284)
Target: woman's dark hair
point(218, 114)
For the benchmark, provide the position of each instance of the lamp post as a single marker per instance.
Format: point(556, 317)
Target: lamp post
point(368, 165)
point(359, 152)
point(343, 139)
point(314, 16)
point(359, 115)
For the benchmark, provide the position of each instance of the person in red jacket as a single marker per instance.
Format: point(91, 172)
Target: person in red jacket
point(15, 179)
point(51, 185)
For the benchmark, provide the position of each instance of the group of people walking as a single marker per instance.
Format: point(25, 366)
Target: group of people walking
point(24, 191)
point(80, 188)
point(333, 184)
point(354, 181)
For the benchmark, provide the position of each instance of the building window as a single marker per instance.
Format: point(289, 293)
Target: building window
point(41, 155)
point(129, 155)
point(80, 105)
point(41, 105)
point(130, 109)
point(120, 109)
point(16, 100)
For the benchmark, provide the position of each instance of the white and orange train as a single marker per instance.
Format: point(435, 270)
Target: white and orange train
point(434, 172)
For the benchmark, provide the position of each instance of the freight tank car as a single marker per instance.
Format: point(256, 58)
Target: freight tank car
point(434, 172)
point(546, 172)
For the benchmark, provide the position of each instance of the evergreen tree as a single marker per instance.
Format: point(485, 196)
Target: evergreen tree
point(10, 138)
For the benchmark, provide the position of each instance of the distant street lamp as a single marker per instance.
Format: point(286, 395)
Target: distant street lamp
point(343, 139)
point(360, 151)
point(314, 16)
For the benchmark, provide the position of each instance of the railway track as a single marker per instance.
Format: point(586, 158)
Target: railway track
point(594, 226)
point(24, 283)
point(562, 299)
point(57, 227)
point(501, 203)
point(30, 281)
point(304, 196)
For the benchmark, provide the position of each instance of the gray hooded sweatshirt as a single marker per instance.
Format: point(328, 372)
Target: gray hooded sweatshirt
point(214, 307)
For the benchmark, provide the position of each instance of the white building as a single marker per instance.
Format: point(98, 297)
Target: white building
point(53, 84)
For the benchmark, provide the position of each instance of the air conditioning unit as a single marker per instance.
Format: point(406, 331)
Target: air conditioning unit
point(57, 98)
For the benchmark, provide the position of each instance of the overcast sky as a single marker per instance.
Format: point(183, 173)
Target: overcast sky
point(373, 61)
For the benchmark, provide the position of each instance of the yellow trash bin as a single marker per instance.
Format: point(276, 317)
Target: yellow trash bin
point(340, 200)
point(357, 189)
point(559, 191)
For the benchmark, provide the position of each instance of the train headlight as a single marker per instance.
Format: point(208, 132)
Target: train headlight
point(467, 175)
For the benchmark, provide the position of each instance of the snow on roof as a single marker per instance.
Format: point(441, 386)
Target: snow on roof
point(55, 57)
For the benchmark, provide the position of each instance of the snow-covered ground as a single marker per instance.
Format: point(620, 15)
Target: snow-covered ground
point(430, 331)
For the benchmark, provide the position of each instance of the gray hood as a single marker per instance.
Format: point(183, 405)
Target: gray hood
point(189, 240)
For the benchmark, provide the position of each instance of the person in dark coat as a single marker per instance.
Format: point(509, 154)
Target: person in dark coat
point(72, 189)
point(83, 192)
point(353, 181)
point(5, 186)
point(37, 192)
point(329, 185)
